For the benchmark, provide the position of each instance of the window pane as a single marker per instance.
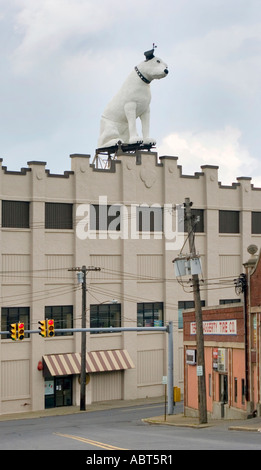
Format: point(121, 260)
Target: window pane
point(62, 316)
point(58, 215)
point(229, 222)
point(197, 227)
point(94, 322)
point(149, 219)
point(94, 217)
point(105, 217)
point(158, 314)
point(150, 314)
point(14, 315)
point(256, 222)
point(114, 217)
point(140, 315)
point(15, 214)
point(185, 305)
point(105, 316)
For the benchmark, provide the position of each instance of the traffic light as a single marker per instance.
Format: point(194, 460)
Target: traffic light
point(13, 331)
point(42, 328)
point(50, 328)
point(20, 331)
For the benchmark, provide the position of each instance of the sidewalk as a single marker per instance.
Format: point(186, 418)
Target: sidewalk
point(68, 410)
point(178, 419)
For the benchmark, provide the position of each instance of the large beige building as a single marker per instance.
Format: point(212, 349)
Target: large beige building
point(117, 219)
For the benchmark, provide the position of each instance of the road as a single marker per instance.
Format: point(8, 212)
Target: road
point(119, 429)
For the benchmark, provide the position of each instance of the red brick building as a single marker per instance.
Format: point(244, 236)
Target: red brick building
point(232, 351)
point(224, 346)
point(253, 307)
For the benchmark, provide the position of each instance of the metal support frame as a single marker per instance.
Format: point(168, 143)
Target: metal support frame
point(104, 156)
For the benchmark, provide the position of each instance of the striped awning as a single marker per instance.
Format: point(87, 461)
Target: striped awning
point(96, 361)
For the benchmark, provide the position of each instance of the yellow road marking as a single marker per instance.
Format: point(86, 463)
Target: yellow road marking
point(102, 445)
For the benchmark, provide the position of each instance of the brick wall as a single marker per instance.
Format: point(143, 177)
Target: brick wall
point(216, 313)
point(255, 286)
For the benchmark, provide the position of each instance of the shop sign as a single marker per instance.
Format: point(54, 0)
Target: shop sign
point(216, 327)
point(215, 358)
point(220, 359)
point(49, 387)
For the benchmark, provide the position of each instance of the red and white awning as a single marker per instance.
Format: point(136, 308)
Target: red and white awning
point(96, 361)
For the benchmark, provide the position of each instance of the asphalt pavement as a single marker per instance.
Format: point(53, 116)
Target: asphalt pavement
point(177, 419)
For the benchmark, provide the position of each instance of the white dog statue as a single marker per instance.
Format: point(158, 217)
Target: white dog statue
point(118, 122)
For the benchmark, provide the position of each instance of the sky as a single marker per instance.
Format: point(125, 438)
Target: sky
point(61, 62)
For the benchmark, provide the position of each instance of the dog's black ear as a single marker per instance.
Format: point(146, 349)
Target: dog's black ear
point(149, 54)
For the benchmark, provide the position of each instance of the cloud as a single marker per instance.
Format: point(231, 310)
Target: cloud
point(230, 55)
point(220, 147)
point(63, 28)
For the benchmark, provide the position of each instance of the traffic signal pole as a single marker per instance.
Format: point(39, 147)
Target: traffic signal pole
point(83, 330)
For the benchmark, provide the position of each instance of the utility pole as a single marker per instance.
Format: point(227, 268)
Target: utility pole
point(83, 271)
point(202, 402)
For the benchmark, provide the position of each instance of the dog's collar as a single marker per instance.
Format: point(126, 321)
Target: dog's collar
point(142, 76)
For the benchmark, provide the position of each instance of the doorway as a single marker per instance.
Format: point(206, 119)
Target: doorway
point(58, 391)
point(223, 388)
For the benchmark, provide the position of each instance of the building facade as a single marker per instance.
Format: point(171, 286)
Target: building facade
point(232, 351)
point(253, 310)
point(125, 221)
point(225, 370)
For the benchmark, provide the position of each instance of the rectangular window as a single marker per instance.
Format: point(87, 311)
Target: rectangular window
point(14, 315)
point(150, 314)
point(197, 221)
point(229, 222)
point(149, 219)
point(235, 390)
point(185, 305)
point(105, 315)
point(62, 316)
point(229, 301)
point(256, 222)
point(105, 217)
point(58, 215)
point(209, 385)
point(243, 396)
point(15, 214)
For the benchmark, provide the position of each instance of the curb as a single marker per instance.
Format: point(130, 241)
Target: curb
point(178, 424)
